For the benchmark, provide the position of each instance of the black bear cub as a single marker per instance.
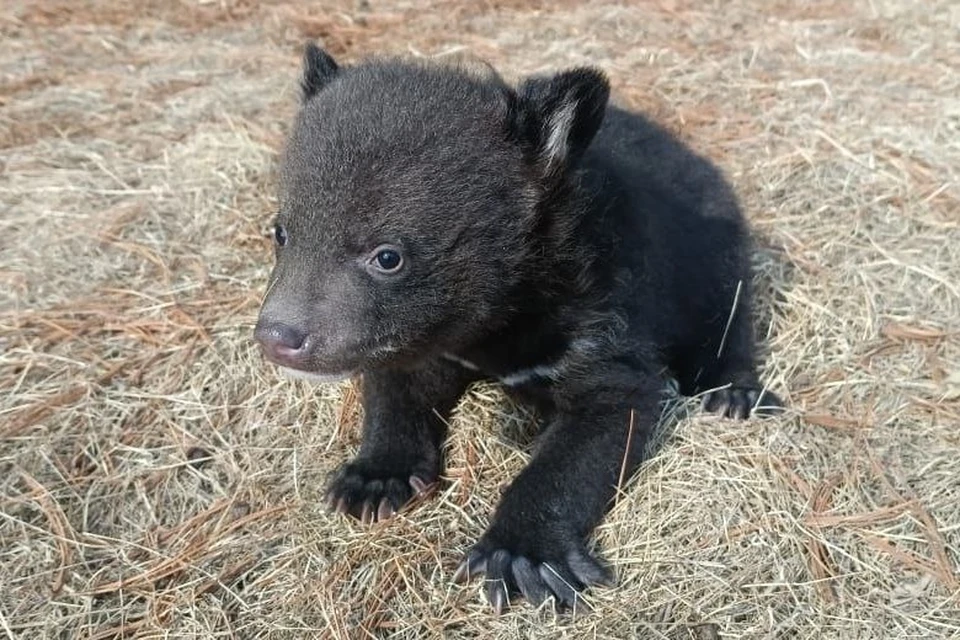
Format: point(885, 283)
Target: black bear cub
point(438, 226)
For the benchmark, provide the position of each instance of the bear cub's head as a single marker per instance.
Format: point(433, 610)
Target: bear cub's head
point(412, 205)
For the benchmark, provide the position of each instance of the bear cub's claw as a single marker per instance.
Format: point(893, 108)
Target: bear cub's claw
point(509, 573)
point(741, 402)
point(369, 496)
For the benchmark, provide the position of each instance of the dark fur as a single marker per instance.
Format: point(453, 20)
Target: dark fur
point(573, 250)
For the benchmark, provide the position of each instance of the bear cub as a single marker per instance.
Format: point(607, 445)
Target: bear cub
point(438, 226)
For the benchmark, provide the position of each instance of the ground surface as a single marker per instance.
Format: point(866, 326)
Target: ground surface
point(157, 479)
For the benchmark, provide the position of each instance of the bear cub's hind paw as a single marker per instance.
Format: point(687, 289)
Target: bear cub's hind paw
point(358, 489)
point(741, 402)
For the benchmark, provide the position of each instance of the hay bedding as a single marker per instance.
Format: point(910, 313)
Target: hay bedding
point(157, 480)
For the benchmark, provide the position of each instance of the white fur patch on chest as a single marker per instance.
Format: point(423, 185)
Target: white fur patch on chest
point(466, 364)
point(551, 371)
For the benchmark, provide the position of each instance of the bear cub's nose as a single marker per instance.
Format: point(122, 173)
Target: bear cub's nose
point(280, 342)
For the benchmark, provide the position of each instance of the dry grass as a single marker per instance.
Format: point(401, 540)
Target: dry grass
point(157, 479)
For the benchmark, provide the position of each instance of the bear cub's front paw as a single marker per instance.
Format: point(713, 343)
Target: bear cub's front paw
point(372, 492)
point(535, 564)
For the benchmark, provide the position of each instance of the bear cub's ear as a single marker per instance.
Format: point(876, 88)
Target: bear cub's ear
point(319, 68)
point(559, 115)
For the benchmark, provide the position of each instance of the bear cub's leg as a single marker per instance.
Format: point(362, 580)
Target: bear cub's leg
point(404, 426)
point(536, 544)
point(724, 369)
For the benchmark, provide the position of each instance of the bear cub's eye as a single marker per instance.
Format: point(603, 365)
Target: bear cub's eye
point(280, 235)
point(387, 259)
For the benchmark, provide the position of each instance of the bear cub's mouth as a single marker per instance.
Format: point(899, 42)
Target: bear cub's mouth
point(314, 376)
point(293, 351)
point(296, 354)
